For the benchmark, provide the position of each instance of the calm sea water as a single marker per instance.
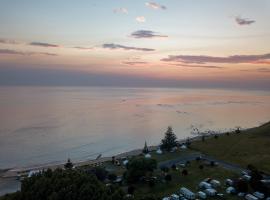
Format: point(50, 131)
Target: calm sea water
point(40, 125)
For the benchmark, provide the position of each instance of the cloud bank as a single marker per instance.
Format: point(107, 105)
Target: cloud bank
point(120, 10)
point(42, 44)
point(244, 21)
point(140, 19)
point(134, 63)
point(201, 59)
point(14, 52)
point(127, 48)
point(155, 6)
point(146, 34)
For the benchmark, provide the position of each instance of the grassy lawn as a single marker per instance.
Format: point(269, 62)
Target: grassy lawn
point(190, 181)
point(249, 147)
point(171, 155)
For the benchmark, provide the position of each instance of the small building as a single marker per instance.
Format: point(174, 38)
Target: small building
point(250, 197)
point(259, 195)
point(187, 193)
point(205, 185)
point(148, 155)
point(174, 197)
point(166, 198)
point(241, 194)
point(33, 172)
point(246, 177)
point(211, 192)
point(229, 182)
point(159, 151)
point(215, 183)
point(201, 195)
point(230, 190)
point(183, 147)
point(125, 162)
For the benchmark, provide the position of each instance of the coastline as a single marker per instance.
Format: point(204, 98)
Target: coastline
point(15, 172)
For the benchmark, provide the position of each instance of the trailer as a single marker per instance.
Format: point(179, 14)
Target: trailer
point(187, 193)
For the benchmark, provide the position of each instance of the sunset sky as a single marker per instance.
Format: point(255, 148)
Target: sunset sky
point(183, 43)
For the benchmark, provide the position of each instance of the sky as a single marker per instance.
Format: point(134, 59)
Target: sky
point(160, 43)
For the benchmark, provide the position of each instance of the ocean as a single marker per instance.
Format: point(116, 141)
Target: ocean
point(47, 125)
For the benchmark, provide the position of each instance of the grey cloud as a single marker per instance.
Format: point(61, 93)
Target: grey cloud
point(200, 66)
point(118, 46)
point(134, 63)
point(42, 44)
point(146, 34)
point(156, 6)
point(244, 21)
point(201, 59)
point(83, 48)
point(8, 41)
point(14, 52)
point(120, 10)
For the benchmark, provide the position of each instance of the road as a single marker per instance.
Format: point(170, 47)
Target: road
point(191, 157)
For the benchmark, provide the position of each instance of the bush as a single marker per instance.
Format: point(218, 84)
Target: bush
point(185, 172)
point(168, 177)
point(112, 177)
point(65, 184)
point(99, 172)
point(131, 189)
point(165, 169)
point(138, 167)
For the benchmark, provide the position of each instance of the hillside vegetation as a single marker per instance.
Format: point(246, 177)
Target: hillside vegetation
point(250, 146)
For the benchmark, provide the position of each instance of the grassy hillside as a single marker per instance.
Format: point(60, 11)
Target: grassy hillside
point(251, 146)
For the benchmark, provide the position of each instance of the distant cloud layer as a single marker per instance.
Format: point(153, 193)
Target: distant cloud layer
point(120, 10)
point(8, 41)
point(140, 19)
point(146, 34)
point(83, 48)
point(118, 46)
point(14, 52)
point(212, 59)
point(199, 66)
point(42, 44)
point(155, 6)
point(134, 62)
point(244, 21)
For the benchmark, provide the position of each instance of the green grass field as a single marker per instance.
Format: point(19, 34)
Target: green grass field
point(251, 146)
point(190, 181)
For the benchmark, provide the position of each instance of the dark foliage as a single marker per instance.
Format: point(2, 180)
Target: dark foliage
point(185, 172)
point(168, 177)
point(138, 168)
point(65, 185)
point(69, 164)
point(99, 172)
point(169, 141)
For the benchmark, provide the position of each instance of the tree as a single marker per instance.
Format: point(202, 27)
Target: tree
point(173, 167)
point(65, 185)
point(169, 141)
point(165, 169)
point(168, 177)
point(138, 168)
point(131, 189)
point(99, 172)
point(201, 167)
point(68, 164)
point(185, 172)
point(241, 185)
point(145, 149)
point(112, 177)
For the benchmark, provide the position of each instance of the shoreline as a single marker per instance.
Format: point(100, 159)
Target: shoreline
point(14, 172)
